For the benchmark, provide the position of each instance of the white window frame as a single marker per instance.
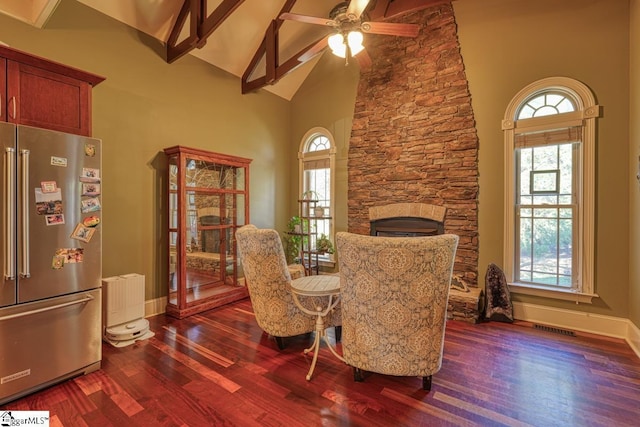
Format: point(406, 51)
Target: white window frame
point(587, 111)
point(314, 156)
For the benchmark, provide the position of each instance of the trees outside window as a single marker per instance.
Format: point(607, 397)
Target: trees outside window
point(549, 132)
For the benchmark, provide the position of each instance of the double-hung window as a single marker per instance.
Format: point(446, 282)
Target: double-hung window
point(317, 165)
point(549, 198)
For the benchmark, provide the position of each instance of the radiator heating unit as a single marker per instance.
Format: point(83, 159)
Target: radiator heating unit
point(123, 310)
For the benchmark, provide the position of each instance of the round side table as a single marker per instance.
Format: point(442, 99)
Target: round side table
point(317, 286)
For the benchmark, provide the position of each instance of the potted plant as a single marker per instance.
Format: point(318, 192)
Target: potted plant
point(294, 238)
point(309, 195)
point(324, 244)
point(295, 224)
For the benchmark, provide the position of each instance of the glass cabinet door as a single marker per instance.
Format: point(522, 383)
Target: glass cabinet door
point(208, 195)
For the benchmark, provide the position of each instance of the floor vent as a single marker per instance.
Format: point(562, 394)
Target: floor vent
point(555, 330)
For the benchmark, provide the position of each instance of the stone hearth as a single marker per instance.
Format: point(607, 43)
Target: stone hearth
point(465, 306)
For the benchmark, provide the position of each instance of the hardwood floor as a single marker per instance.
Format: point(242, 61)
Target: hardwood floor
point(219, 369)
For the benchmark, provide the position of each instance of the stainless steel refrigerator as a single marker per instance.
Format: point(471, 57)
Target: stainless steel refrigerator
point(50, 248)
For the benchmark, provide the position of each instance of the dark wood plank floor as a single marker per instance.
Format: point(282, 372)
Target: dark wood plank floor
point(218, 368)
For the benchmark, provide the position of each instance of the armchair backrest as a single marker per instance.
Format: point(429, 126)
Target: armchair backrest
point(394, 301)
point(268, 279)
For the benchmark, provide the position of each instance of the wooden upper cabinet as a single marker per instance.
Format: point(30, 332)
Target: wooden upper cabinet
point(41, 93)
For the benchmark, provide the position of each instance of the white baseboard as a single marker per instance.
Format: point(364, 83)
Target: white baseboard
point(598, 324)
point(155, 306)
point(634, 338)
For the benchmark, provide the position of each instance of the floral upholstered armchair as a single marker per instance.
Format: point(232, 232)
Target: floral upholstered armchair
point(394, 302)
point(268, 277)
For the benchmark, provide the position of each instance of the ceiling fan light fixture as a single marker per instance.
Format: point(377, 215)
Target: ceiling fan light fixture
point(355, 38)
point(339, 47)
point(336, 43)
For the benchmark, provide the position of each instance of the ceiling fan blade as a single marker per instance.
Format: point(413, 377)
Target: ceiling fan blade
point(308, 19)
point(364, 60)
point(314, 50)
point(391, 29)
point(355, 9)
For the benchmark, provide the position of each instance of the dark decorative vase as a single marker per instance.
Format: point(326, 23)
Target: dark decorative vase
point(498, 304)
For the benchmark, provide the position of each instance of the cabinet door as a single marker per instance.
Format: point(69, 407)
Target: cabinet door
point(3, 90)
point(45, 99)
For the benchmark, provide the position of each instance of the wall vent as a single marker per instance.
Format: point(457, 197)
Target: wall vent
point(555, 330)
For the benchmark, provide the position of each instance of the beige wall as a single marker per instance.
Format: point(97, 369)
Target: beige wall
point(145, 105)
point(507, 44)
point(634, 165)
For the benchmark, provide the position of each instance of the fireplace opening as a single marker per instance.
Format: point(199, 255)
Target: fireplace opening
point(406, 220)
point(406, 227)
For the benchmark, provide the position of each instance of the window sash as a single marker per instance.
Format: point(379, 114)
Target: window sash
point(530, 267)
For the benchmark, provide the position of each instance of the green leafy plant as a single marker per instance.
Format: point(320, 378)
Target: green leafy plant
point(324, 244)
point(294, 238)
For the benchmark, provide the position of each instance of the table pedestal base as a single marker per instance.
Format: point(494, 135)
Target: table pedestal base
point(321, 333)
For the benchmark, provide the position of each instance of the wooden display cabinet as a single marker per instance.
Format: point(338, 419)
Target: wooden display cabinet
point(208, 201)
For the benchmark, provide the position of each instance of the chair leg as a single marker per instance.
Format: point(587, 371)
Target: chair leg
point(357, 375)
point(338, 331)
point(426, 383)
point(280, 342)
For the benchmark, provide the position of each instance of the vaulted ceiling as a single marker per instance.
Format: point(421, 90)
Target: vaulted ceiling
point(243, 37)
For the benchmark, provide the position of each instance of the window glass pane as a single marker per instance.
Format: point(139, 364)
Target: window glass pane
point(554, 99)
point(526, 112)
point(545, 199)
point(537, 102)
point(526, 200)
point(545, 213)
point(546, 111)
point(318, 143)
point(546, 105)
point(545, 158)
point(566, 106)
point(565, 200)
point(565, 155)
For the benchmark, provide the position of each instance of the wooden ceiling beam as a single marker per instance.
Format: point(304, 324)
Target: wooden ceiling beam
point(269, 48)
point(191, 9)
point(200, 27)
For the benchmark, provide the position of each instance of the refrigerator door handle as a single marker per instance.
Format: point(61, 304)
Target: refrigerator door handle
point(24, 265)
point(86, 298)
point(10, 217)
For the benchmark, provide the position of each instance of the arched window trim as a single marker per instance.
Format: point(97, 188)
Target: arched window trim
point(587, 113)
point(330, 154)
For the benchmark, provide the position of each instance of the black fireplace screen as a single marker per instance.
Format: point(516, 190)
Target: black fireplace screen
point(406, 227)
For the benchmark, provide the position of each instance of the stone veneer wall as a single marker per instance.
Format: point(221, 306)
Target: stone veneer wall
point(413, 137)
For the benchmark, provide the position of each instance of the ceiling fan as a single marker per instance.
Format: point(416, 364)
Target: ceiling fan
point(347, 21)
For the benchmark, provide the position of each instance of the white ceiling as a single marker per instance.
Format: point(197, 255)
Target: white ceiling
point(231, 47)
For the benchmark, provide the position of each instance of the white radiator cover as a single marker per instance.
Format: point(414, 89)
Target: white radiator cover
point(123, 299)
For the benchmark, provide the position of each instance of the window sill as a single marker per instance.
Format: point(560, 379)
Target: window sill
point(541, 291)
point(326, 262)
